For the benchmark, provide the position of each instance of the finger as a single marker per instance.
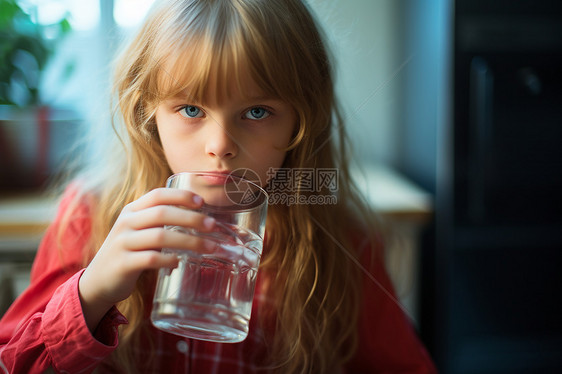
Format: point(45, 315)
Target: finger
point(152, 259)
point(162, 215)
point(167, 196)
point(165, 238)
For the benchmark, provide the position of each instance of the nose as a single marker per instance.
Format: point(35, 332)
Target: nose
point(220, 142)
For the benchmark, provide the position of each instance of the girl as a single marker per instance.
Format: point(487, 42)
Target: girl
point(215, 85)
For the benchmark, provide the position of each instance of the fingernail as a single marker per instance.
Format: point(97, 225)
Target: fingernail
point(209, 222)
point(197, 199)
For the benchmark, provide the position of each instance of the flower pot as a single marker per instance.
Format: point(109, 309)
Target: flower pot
point(35, 143)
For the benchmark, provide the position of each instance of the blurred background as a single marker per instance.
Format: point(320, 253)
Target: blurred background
point(454, 109)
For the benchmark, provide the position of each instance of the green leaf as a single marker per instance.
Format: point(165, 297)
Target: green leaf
point(18, 31)
point(65, 26)
point(9, 9)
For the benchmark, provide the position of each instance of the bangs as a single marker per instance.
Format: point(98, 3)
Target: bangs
point(213, 53)
point(196, 68)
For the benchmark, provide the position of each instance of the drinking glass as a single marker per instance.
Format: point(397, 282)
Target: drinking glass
point(209, 295)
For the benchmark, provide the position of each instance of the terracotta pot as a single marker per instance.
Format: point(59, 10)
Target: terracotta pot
point(34, 144)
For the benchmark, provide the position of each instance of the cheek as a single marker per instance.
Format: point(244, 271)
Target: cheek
point(177, 149)
point(278, 157)
point(271, 157)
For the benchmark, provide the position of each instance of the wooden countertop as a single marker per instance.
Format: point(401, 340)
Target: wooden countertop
point(393, 196)
point(23, 220)
point(23, 214)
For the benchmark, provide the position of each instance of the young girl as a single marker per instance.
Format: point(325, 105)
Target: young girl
point(215, 85)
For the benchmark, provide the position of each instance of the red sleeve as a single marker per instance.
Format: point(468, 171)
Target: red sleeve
point(387, 341)
point(45, 326)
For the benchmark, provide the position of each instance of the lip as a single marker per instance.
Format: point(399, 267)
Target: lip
point(226, 172)
point(217, 177)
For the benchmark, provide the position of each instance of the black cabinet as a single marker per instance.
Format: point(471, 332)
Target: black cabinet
point(491, 302)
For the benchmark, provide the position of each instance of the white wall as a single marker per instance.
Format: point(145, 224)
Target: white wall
point(394, 58)
point(366, 43)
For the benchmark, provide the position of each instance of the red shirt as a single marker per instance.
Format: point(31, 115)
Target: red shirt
point(45, 328)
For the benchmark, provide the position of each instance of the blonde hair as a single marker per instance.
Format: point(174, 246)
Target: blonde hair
point(311, 256)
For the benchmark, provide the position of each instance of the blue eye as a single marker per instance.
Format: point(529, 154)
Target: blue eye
point(257, 113)
point(191, 111)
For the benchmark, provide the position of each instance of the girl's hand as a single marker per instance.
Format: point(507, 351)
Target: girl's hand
point(133, 245)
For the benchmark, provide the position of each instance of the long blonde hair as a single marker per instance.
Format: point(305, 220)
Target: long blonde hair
point(311, 255)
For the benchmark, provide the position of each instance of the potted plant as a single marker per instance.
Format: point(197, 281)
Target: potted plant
point(25, 49)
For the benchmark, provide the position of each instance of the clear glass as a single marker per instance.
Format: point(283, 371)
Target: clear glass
point(209, 296)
